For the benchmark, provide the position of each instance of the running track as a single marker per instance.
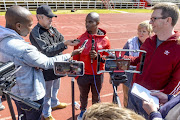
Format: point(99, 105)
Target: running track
point(119, 28)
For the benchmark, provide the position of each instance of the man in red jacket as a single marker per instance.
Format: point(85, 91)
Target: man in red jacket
point(97, 40)
point(162, 63)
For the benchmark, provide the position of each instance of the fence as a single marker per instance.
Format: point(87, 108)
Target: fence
point(55, 5)
point(153, 2)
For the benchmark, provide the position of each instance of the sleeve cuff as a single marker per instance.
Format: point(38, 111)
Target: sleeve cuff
point(155, 114)
point(169, 97)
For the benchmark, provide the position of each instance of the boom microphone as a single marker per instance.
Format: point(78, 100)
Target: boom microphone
point(92, 48)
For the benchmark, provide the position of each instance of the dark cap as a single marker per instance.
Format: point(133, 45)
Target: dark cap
point(45, 10)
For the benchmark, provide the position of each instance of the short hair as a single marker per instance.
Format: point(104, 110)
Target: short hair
point(168, 10)
point(16, 14)
point(110, 111)
point(94, 15)
point(146, 25)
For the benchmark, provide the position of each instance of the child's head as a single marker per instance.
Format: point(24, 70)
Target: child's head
point(144, 30)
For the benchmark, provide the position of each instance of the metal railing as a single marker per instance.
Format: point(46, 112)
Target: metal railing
point(153, 2)
point(58, 4)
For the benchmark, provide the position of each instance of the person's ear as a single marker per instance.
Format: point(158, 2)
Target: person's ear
point(39, 16)
point(18, 27)
point(169, 20)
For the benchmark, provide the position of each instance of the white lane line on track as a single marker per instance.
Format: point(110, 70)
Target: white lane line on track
point(7, 118)
point(102, 96)
point(119, 11)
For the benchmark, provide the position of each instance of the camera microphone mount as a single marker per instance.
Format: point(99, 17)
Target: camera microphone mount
point(115, 56)
point(73, 69)
point(117, 65)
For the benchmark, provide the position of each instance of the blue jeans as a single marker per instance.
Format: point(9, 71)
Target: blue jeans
point(50, 99)
point(135, 104)
point(27, 113)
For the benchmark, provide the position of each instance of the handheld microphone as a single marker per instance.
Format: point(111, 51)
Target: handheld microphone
point(142, 62)
point(92, 48)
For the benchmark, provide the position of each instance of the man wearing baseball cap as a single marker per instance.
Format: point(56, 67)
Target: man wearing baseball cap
point(51, 43)
point(45, 10)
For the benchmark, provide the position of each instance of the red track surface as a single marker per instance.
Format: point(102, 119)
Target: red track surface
point(119, 27)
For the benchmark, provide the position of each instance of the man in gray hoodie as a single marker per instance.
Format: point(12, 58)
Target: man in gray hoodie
point(30, 83)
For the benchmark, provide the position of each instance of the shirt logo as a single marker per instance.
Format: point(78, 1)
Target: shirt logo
point(166, 52)
point(100, 46)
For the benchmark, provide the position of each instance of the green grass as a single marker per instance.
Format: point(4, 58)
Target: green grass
point(104, 11)
point(101, 11)
point(136, 10)
point(82, 11)
point(2, 13)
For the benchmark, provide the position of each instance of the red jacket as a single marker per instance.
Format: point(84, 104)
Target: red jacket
point(101, 42)
point(162, 65)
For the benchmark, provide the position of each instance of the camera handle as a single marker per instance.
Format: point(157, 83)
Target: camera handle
point(28, 102)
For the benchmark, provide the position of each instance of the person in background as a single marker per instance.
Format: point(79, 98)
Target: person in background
point(110, 111)
point(170, 109)
point(161, 65)
point(144, 30)
point(50, 42)
point(2, 107)
point(30, 83)
point(97, 40)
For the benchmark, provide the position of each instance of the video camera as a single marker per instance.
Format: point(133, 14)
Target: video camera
point(117, 66)
point(7, 81)
point(70, 68)
point(116, 62)
point(7, 76)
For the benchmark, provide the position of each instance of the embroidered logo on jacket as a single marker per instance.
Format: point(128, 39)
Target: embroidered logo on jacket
point(166, 52)
point(100, 46)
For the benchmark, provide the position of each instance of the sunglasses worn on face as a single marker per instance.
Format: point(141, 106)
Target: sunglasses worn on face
point(153, 19)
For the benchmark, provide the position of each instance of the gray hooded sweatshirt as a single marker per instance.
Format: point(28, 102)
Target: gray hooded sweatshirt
point(30, 83)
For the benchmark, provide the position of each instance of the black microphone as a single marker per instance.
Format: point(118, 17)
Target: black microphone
point(142, 62)
point(92, 48)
